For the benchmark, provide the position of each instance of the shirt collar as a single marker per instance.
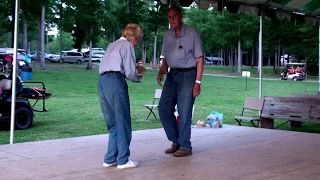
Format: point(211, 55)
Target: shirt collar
point(123, 38)
point(182, 32)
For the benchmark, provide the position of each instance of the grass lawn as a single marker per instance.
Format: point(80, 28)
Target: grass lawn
point(74, 108)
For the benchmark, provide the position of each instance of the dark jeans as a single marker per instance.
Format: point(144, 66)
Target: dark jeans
point(178, 90)
point(115, 105)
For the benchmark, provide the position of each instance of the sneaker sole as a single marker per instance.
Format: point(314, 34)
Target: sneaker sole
point(127, 167)
point(183, 155)
point(108, 165)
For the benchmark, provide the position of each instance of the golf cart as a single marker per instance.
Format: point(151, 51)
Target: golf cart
point(294, 71)
point(23, 113)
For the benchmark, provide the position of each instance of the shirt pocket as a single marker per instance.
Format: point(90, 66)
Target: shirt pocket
point(185, 55)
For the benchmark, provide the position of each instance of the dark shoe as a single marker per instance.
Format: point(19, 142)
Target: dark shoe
point(173, 149)
point(182, 153)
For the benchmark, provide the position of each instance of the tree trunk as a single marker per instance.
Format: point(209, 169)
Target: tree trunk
point(61, 44)
point(13, 10)
point(39, 42)
point(145, 51)
point(29, 46)
point(247, 59)
point(42, 62)
point(239, 57)
point(224, 57)
point(142, 51)
point(154, 63)
point(269, 61)
point(61, 16)
point(128, 6)
point(220, 57)
point(279, 54)
point(235, 58)
point(275, 60)
point(25, 30)
point(252, 58)
point(89, 66)
point(231, 60)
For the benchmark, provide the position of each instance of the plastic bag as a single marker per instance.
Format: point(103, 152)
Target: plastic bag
point(215, 119)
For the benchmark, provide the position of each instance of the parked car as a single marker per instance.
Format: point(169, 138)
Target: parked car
point(213, 60)
point(95, 57)
point(54, 58)
point(72, 57)
point(34, 55)
point(207, 62)
point(98, 51)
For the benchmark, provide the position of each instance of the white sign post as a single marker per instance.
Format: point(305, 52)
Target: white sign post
point(246, 74)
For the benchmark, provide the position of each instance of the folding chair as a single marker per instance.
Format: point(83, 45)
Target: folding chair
point(251, 105)
point(154, 105)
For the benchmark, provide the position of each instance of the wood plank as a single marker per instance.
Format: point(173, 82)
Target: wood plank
point(244, 118)
point(301, 119)
point(267, 123)
point(307, 95)
point(302, 109)
point(293, 103)
point(298, 100)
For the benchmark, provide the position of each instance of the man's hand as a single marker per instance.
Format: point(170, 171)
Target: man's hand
point(139, 77)
point(141, 69)
point(196, 89)
point(160, 79)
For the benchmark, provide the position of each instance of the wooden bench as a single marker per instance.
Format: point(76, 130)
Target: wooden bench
point(307, 95)
point(294, 110)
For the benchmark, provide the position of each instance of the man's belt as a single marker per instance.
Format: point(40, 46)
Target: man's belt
point(182, 69)
point(110, 72)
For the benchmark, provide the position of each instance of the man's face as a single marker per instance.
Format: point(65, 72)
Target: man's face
point(175, 18)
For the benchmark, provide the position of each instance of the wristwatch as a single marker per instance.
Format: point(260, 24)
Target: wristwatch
point(198, 82)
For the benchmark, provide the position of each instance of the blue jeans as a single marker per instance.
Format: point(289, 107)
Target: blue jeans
point(115, 105)
point(178, 90)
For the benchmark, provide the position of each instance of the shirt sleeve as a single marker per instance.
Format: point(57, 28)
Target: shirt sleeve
point(163, 52)
point(129, 62)
point(197, 49)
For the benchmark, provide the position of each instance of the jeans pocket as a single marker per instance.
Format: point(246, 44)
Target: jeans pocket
point(124, 82)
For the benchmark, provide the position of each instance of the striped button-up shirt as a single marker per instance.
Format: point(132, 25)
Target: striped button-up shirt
point(120, 56)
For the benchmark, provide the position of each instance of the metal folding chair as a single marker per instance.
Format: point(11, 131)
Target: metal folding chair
point(154, 105)
point(250, 104)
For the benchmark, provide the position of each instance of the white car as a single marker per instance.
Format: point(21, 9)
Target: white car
point(34, 55)
point(54, 58)
point(72, 57)
point(94, 57)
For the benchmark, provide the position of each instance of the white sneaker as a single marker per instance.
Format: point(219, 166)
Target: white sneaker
point(129, 164)
point(109, 165)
